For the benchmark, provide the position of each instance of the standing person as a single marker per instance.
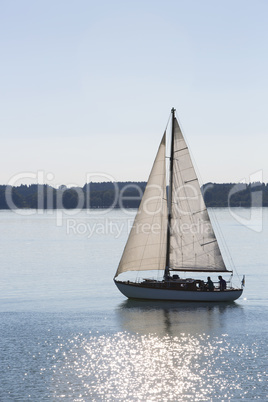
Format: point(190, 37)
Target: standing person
point(210, 285)
point(222, 283)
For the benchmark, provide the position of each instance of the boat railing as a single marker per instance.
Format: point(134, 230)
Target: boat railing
point(177, 283)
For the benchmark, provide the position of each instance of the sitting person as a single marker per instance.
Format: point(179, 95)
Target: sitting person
point(210, 285)
point(222, 283)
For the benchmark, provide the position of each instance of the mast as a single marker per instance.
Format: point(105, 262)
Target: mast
point(170, 192)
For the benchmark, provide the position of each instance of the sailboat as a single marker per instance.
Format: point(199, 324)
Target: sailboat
point(172, 233)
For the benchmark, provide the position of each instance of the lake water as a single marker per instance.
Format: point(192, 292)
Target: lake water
point(67, 333)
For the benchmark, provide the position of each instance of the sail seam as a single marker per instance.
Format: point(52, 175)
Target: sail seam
point(199, 212)
point(179, 150)
point(209, 242)
point(188, 181)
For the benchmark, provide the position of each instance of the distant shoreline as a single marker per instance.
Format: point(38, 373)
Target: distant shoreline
point(123, 195)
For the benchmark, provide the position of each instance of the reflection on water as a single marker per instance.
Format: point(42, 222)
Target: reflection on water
point(172, 318)
point(168, 358)
point(165, 352)
point(127, 367)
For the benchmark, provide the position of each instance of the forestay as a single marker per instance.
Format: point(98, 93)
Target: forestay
point(146, 245)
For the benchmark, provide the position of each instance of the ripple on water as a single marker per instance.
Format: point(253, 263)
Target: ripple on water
point(149, 368)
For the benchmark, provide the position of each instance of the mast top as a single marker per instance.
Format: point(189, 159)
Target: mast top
point(173, 110)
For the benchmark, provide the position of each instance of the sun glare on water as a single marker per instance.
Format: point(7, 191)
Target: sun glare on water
point(126, 367)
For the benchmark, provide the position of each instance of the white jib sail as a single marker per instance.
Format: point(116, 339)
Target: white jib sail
point(193, 242)
point(146, 246)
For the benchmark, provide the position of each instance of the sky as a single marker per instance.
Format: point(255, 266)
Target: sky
point(86, 88)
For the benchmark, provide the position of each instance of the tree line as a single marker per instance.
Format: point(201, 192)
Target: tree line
point(123, 195)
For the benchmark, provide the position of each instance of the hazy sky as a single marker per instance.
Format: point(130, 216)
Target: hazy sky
point(87, 86)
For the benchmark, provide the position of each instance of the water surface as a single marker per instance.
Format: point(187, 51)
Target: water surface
point(67, 333)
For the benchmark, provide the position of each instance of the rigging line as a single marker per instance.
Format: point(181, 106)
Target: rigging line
point(221, 236)
point(153, 217)
point(186, 199)
point(191, 154)
point(163, 245)
point(196, 170)
point(169, 206)
point(163, 233)
point(179, 170)
point(201, 184)
point(168, 121)
point(195, 166)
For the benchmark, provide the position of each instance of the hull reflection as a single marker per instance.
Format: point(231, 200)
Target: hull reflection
point(162, 318)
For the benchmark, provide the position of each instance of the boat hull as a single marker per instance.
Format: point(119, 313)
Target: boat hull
point(134, 291)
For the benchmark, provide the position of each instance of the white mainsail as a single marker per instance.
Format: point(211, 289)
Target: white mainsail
point(193, 245)
point(146, 246)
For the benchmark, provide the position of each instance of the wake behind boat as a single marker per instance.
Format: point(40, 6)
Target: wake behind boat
point(173, 233)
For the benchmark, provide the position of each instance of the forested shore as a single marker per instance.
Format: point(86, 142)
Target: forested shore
point(123, 195)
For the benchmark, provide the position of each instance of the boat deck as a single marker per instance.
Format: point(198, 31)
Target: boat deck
point(178, 284)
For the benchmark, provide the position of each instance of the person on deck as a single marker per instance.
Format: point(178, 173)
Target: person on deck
point(210, 284)
point(222, 283)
